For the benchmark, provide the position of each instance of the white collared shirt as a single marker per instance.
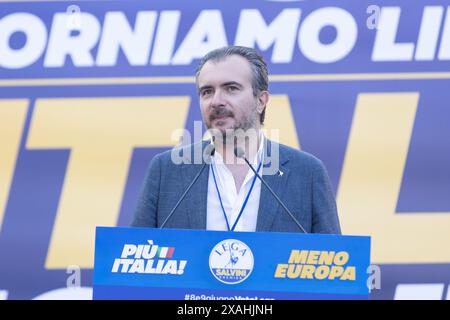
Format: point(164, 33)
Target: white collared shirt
point(232, 200)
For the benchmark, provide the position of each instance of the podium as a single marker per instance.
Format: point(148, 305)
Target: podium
point(175, 264)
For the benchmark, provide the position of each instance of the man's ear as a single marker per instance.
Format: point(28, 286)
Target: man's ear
point(263, 99)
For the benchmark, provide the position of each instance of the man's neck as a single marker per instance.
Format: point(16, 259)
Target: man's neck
point(250, 148)
point(237, 166)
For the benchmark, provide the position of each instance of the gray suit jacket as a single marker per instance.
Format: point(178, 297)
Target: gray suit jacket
point(304, 187)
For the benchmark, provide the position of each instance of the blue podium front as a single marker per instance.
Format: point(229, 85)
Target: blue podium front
point(172, 264)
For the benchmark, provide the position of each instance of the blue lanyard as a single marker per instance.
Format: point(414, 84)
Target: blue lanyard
point(243, 205)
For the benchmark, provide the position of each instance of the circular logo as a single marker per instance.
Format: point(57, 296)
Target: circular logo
point(231, 261)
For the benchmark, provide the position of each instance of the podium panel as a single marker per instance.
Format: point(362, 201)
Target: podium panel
point(173, 264)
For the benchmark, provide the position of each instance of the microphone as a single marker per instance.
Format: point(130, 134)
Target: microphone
point(209, 152)
point(239, 153)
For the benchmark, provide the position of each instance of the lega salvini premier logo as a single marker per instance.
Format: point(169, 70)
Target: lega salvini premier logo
point(231, 261)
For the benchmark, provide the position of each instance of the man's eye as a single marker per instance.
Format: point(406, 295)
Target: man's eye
point(206, 92)
point(232, 88)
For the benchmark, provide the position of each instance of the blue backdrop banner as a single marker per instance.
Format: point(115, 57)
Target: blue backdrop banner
point(91, 90)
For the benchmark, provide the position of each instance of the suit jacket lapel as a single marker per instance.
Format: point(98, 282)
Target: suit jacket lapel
point(268, 206)
point(196, 200)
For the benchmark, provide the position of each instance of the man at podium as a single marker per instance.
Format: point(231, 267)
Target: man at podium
point(242, 181)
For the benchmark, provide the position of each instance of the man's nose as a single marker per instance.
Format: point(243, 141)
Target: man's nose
point(217, 99)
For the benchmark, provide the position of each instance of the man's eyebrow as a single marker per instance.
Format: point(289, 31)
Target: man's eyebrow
point(204, 87)
point(229, 83)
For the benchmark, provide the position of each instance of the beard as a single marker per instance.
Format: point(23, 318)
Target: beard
point(247, 121)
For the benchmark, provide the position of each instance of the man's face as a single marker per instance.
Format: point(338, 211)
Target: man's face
point(226, 95)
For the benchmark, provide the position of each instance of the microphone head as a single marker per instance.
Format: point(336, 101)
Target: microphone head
point(239, 152)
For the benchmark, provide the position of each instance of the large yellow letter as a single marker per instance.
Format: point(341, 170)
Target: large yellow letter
point(279, 117)
point(101, 134)
point(12, 120)
point(371, 179)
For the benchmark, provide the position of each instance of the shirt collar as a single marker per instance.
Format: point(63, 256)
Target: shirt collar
point(218, 159)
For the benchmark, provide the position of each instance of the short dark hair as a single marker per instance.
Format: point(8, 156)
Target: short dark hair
point(260, 78)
